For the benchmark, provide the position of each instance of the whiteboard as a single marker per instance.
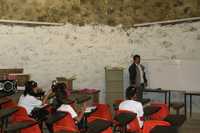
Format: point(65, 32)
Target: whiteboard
point(174, 74)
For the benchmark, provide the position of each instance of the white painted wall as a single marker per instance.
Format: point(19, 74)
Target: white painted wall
point(48, 52)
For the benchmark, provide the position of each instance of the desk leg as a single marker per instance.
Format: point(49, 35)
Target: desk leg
point(85, 123)
point(190, 105)
point(2, 125)
point(185, 101)
point(169, 100)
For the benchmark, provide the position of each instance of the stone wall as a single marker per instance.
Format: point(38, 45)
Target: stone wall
point(109, 12)
point(48, 52)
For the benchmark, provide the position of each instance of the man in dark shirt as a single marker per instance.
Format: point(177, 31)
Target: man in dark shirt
point(137, 76)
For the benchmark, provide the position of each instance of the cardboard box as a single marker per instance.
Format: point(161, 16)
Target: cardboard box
point(20, 78)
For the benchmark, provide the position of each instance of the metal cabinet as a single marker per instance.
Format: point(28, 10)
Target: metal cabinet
point(114, 84)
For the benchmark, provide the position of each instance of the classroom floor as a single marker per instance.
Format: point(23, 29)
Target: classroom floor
point(192, 125)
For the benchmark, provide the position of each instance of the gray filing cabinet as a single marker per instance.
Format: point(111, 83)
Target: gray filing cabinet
point(114, 84)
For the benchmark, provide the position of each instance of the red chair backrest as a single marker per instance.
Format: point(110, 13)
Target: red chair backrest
point(133, 126)
point(66, 123)
point(149, 125)
point(21, 115)
point(162, 113)
point(103, 112)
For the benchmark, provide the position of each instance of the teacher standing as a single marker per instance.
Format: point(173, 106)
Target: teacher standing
point(137, 76)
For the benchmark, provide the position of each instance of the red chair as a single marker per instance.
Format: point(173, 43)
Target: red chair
point(66, 123)
point(132, 125)
point(22, 116)
point(103, 112)
point(150, 124)
point(99, 126)
point(162, 113)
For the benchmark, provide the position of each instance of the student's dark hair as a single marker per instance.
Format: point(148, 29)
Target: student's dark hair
point(136, 56)
point(60, 91)
point(60, 95)
point(130, 92)
point(29, 85)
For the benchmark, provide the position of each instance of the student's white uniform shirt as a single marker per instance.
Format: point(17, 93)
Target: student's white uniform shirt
point(69, 109)
point(29, 102)
point(133, 106)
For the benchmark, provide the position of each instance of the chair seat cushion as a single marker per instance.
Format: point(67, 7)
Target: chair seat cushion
point(175, 120)
point(98, 126)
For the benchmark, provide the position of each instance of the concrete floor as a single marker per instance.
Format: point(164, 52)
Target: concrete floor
point(192, 125)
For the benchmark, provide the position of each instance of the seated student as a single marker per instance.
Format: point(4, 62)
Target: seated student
point(29, 99)
point(132, 105)
point(61, 103)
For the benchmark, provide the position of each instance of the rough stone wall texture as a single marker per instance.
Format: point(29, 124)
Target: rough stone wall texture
point(109, 12)
point(47, 52)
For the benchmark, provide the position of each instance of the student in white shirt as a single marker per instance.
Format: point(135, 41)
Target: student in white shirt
point(61, 102)
point(132, 105)
point(29, 100)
